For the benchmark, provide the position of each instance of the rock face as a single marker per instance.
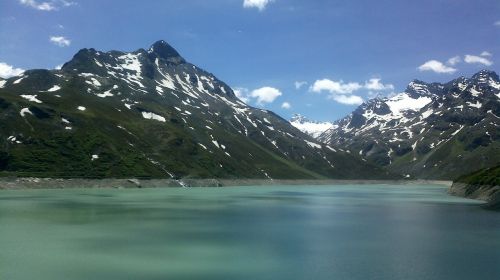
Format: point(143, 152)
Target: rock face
point(149, 113)
point(429, 130)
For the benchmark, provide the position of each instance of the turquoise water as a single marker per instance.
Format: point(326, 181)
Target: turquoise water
point(282, 232)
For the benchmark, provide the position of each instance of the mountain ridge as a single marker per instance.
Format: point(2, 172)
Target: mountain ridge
point(427, 130)
point(150, 113)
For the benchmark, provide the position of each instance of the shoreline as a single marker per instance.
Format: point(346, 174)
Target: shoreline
point(490, 194)
point(55, 183)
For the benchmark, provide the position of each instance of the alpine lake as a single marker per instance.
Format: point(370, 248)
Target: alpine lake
point(260, 232)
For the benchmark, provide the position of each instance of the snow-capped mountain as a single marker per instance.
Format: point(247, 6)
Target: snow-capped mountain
point(429, 130)
point(312, 128)
point(151, 113)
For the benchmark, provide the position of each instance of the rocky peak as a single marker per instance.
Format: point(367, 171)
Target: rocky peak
point(163, 50)
point(299, 118)
point(81, 57)
point(485, 77)
point(418, 89)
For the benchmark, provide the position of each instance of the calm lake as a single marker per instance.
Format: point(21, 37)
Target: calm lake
point(279, 232)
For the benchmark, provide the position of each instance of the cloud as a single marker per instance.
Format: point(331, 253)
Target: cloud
point(286, 105)
point(375, 84)
point(48, 5)
point(454, 60)
point(339, 87)
point(259, 4)
point(497, 23)
point(436, 66)
point(242, 94)
point(265, 94)
point(60, 41)
point(260, 96)
point(342, 92)
point(485, 53)
point(347, 99)
point(299, 84)
point(471, 59)
point(7, 71)
point(334, 87)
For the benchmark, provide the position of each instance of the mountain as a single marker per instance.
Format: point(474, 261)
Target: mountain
point(312, 128)
point(430, 130)
point(150, 113)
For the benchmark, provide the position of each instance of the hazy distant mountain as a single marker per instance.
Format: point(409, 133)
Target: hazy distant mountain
point(428, 131)
point(150, 113)
point(312, 128)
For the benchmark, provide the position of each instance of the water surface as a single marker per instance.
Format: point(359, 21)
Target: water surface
point(279, 232)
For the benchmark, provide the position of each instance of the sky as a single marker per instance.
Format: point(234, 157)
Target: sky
point(319, 58)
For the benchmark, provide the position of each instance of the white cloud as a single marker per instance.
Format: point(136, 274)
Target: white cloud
point(286, 105)
point(375, 84)
point(265, 94)
point(60, 41)
point(242, 94)
point(48, 5)
point(454, 60)
point(436, 66)
point(477, 59)
point(299, 84)
point(260, 96)
point(342, 92)
point(334, 87)
point(7, 71)
point(347, 99)
point(485, 53)
point(259, 4)
point(58, 67)
point(497, 23)
point(42, 6)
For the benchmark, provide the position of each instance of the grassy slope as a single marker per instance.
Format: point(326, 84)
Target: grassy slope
point(488, 177)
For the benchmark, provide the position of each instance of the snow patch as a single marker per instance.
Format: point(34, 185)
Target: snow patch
point(203, 146)
point(25, 111)
point(54, 88)
point(105, 94)
point(31, 98)
point(477, 105)
point(314, 129)
point(153, 116)
point(19, 80)
point(403, 102)
point(312, 144)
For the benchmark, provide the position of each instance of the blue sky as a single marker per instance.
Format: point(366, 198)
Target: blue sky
point(342, 51)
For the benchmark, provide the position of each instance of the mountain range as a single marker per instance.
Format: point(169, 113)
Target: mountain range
point(431, 130)
point(150, 113)
point(310, 127)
